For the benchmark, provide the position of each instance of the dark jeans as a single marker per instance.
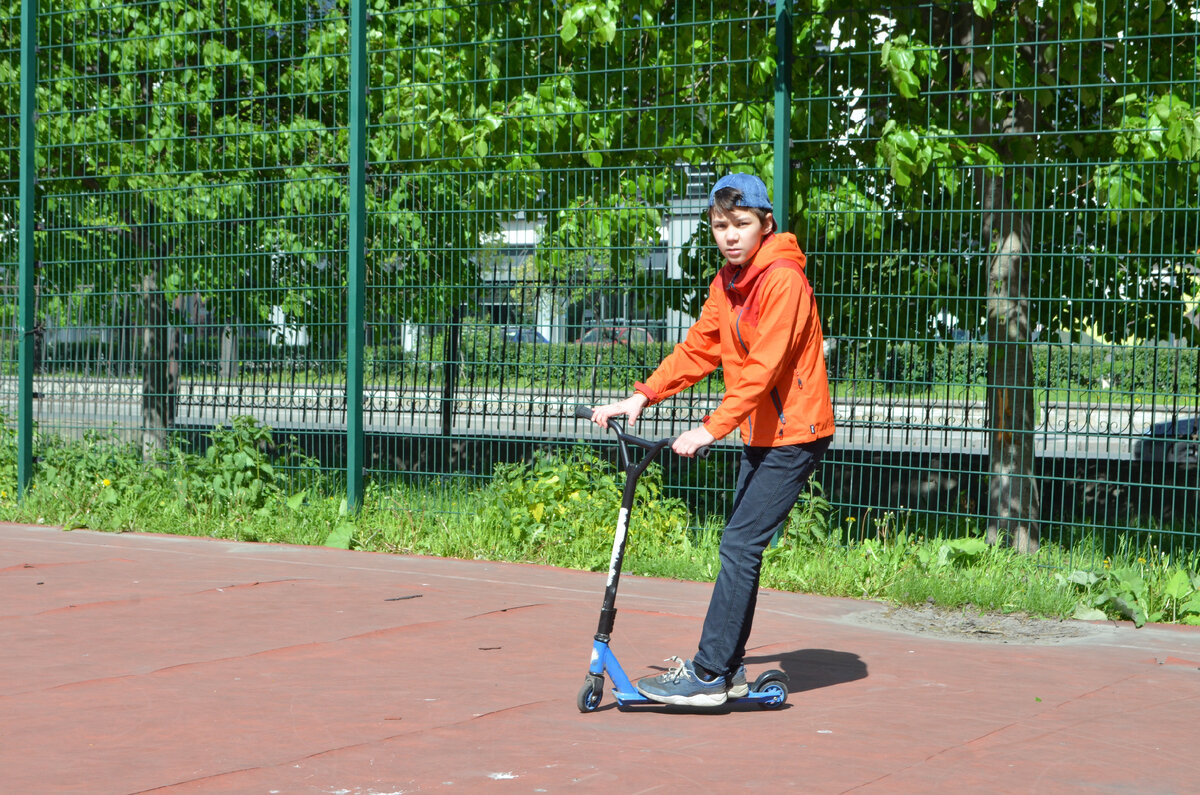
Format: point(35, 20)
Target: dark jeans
point(769, 483)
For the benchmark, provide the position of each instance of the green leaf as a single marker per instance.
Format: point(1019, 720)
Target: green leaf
point(569, 31)
point(1085, 613)
point(969, 547)
point(1178, 585)
point(1130, 580)
point(1192, 605)
point(984, 8)
point(339, 537)
point(296, 500)
point(1086, 13)
point(1085, 578)
point(907, 84)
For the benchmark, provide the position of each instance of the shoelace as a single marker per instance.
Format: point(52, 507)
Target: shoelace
point(676, 673)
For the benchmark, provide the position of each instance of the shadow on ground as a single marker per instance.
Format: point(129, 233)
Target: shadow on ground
point(812, 669)
point(806, 669)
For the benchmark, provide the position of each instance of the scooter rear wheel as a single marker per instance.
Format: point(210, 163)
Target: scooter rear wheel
point(590, 694)
point(773, 685)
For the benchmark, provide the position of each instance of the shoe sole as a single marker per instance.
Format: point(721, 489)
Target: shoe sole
point(698, 700)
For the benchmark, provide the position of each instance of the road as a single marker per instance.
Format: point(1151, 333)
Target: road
point(72, 406)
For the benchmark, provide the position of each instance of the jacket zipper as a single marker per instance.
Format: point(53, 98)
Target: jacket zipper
point(778, 408)
point(737, 331)
point(737, 327)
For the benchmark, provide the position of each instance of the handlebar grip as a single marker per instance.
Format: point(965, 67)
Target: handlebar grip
point(582, 412)
point(704, 451)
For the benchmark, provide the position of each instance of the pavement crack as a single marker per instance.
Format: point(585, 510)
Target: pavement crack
point(482, 715)
point(140, 600)
point(198, 779)
point(506, 610)
point(26, 566)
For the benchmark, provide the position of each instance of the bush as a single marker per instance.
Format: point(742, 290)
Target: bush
point(908, 367)
point(242, 466)
point(487, 358)
point(572, 502)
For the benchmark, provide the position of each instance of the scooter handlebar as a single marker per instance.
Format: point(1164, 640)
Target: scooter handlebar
point(583, 412)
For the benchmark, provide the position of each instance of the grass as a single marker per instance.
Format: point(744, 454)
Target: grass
point(560, 511)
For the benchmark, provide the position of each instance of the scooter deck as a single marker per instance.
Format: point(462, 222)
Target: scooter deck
point(767, 699)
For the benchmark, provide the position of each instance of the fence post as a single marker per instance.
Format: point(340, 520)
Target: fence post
point(783, 113)
point(356, 256)
point(27, 278)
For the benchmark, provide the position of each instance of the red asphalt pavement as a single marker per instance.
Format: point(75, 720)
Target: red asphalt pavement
point(134, 663)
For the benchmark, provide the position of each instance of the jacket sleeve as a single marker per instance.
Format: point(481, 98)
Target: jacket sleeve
point(697, 356)
point(786, 305)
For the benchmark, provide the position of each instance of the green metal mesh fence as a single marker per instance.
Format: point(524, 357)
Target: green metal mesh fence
point(998, 201)
point(10, 141)
point(534, 225)
point(1003, 209)
point(192, 183)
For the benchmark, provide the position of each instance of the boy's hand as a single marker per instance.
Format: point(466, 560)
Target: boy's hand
point(688, 442)
point(629, 407)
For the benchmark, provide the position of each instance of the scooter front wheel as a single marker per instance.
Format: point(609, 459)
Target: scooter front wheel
point(590, 694)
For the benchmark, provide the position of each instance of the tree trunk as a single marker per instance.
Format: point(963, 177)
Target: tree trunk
point(160, 367)
point(1014, 504)
point(450, 351)
point(228, 365)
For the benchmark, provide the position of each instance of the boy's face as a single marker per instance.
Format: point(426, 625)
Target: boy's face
point(738, 233)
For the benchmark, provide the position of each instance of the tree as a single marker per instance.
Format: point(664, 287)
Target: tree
point(1039, 160)
point(950, 159)
point(548, 106)
point(168, 164)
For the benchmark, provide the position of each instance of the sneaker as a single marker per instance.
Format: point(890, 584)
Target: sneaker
point(682, 685)
point(738, 688)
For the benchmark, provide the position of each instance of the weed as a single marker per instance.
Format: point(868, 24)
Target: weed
point(1140, 584)
point(571, 502)
point(561, 510)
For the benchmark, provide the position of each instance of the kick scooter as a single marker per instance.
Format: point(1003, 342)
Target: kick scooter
point(769, 691)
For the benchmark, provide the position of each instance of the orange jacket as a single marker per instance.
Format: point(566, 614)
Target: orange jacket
point(760, 323)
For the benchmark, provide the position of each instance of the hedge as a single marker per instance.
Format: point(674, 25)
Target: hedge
point(488, 360)
point(914, 367)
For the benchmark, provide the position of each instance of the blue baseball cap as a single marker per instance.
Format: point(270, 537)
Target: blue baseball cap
point(754, 192)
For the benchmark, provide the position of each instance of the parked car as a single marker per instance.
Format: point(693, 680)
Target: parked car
point(1174, 442)
point(524, 334)
point(616, 335)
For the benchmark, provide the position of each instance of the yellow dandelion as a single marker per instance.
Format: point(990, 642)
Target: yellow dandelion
point(107, 482)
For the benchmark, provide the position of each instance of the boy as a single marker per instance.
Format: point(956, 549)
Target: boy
point(761, 325)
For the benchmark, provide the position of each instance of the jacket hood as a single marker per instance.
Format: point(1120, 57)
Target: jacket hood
point(740, 279)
